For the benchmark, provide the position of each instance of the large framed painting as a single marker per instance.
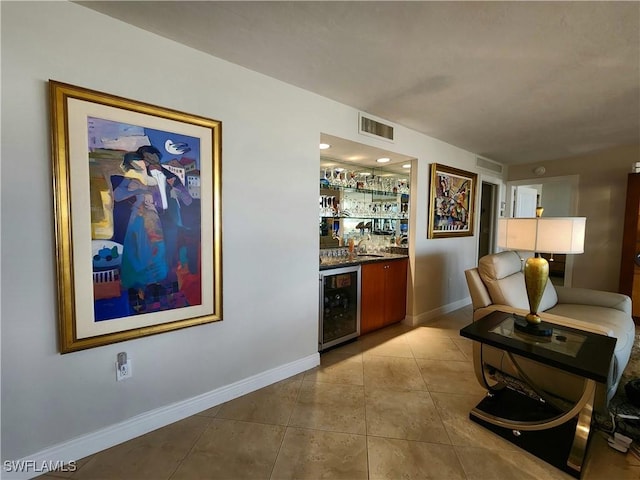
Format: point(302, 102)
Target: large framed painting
point(451, 202)
point(137, 191)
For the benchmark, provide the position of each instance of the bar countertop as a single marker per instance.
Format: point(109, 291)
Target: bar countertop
point(327, 263)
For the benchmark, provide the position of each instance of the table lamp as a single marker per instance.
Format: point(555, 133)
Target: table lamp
point(540, 235)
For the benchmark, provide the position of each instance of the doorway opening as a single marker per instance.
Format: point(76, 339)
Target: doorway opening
point(488, 203)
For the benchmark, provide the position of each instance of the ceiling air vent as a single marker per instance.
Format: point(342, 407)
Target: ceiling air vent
point(367, 125)
point(488, 165)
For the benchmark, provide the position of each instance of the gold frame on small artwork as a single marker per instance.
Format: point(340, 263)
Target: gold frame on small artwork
point(451, 202)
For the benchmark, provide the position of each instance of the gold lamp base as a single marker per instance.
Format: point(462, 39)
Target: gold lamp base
point(549, 235)
point(536, 275)
point(541, 330)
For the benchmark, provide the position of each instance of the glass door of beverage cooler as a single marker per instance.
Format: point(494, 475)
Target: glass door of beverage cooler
point(339, 306)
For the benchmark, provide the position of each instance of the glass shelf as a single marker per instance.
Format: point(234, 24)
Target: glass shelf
point(371, 204)
point(360, 190)
point(362, 217)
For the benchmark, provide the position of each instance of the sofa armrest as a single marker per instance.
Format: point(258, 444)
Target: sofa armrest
point(479, 294)
point(547, 317)
point(600, 298)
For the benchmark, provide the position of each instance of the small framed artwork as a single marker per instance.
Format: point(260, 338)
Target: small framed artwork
point(137, 191)
point(451, 202)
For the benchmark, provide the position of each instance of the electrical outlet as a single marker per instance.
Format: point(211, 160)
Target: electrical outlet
point(124, 370)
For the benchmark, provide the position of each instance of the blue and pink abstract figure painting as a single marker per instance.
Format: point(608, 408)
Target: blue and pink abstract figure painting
point(138, 217)
point(145, 219)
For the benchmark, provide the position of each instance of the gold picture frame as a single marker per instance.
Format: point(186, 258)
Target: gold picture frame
point(137, 203)
point(451, 202)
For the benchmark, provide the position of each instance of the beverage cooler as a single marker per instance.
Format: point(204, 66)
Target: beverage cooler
point(339, 306)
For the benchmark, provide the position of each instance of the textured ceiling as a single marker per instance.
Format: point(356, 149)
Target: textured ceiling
point(515, 82)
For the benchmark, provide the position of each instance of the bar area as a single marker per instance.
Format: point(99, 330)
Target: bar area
point(363, 239)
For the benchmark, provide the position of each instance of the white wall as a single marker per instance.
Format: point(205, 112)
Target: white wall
point(270, 273)
point(556, 199)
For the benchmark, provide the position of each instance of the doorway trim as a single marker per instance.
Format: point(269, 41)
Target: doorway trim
point(492, 209)
point(572, 180)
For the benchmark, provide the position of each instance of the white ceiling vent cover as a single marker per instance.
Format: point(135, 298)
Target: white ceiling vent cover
point(488, 165)
point(374, 127)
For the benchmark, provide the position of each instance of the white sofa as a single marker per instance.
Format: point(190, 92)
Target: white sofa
point(498, 284)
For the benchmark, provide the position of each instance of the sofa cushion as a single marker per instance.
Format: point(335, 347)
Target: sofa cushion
point(503, 277)
point(586, 296)
point(616, 321)
point(499, 265)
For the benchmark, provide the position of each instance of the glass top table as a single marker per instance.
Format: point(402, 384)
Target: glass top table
point(541, 426)
point(561, 340)
point(577, 351)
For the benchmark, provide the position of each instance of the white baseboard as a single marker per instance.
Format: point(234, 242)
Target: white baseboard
point(425, 317)
point(85, 445)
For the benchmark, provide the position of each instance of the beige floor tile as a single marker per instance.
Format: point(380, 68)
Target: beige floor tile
point(466, 347)
point(410, 389)
point(337, 367)
point(332, 407)
point(454, 411)
point(429, 331)
point(455, 319)
point(604, 463)
point(404, 414)
point(351, 347)
point(210, 412)
point(392, 372)
point(498, 464)
point(153, 456)
point(435, 348)
point(449, 324)
point(391, 347)
point(390, 332)
point(393, 459)
point(449, 376)
point(314, 454)
point(230, 449)
point(272, 404)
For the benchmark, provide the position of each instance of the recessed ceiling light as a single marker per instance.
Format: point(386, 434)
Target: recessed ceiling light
point(324, 146)
point(383, 160)
point(406, 165)
point(365, 174)
point(339, 169)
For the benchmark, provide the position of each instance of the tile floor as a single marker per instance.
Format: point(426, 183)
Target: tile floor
point(392, 405)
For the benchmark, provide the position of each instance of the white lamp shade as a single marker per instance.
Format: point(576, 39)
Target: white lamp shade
point(543, 235)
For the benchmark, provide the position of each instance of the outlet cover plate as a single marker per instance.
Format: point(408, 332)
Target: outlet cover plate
point(124, 372)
